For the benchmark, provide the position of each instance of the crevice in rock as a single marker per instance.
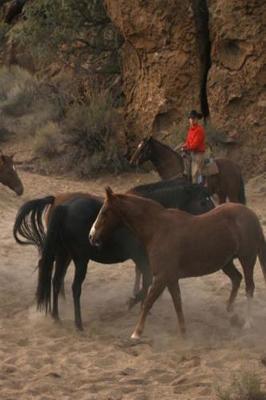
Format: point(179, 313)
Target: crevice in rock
point(201, 16)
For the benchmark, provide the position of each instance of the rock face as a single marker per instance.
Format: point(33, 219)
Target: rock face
point(164, 62)
point(160, 62)
point(161, 58)
point(237, 78)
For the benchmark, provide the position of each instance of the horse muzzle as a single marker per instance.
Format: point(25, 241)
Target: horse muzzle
point(134, 161)
point(94, 241)
point(19, 190)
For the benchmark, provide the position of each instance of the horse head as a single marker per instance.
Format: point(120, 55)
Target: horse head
point(8, 174)
point(143, 152)
point(105, 222)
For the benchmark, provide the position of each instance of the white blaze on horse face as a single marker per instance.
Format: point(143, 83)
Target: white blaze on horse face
point(93, 229)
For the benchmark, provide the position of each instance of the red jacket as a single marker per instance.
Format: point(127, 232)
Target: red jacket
point(195, 140)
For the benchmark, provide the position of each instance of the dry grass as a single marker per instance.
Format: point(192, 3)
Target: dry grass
point(90, 134)
point(47, 140)
point(73, 130)
point(244, 387)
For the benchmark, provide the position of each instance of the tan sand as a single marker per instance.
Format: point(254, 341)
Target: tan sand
point(45, 361)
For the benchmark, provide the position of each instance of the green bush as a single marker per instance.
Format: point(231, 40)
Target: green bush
point(55, 29)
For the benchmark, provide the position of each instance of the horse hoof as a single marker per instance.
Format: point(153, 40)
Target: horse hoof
point(135, 336)
point(79, 327)
point(183, 334)
point(132, 301)
point(236, 321)
point(229, 308)
point(55, 317)
point(248, 325)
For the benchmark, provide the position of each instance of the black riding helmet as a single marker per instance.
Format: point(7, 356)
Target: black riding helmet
point(194, 114)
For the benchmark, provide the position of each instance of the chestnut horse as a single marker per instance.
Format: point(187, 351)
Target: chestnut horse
point(180, 245)
point(71, 217)
point(228, 183)
point(8, 174)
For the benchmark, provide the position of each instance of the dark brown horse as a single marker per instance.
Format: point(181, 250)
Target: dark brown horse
point(228, 183)
point(8, 174)
point(180, 245)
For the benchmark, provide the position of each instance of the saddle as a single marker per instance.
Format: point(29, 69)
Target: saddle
point(209, 168)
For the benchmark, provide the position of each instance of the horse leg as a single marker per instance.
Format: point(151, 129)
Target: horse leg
point(62, 262)
point(157, 287)
point(81, 264)
point(62, 288)
point(136, 287)
point(140, 295)
point(174, 289)
point(248, 264)
point(236, 278)
point(222, 197)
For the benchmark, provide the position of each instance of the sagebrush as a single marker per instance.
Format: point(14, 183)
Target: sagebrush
point(246, 386)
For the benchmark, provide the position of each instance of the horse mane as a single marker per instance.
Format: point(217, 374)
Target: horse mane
point(148, 188)
point(172, 192)
point(166, 146)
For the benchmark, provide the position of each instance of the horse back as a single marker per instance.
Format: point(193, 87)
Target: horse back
point(65, 198)
point(228, 168)
point(199, 245)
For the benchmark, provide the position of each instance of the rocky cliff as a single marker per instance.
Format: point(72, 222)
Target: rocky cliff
point(196, 54)
point(165, 57)
point(237, 77)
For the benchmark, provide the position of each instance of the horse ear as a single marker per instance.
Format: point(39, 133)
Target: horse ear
point(109, 193)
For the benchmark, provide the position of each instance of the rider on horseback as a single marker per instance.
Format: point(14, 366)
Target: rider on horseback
point(195, 146)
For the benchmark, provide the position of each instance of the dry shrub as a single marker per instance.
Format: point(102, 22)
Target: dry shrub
point(61, 116)
point(21, 93)
point(17, 90)
point(244, 387)
point(90, 133)
point(47, 141)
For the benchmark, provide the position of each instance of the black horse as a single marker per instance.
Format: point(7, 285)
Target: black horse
point(68, 230)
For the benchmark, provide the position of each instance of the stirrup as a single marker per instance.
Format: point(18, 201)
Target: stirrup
point(200, 180)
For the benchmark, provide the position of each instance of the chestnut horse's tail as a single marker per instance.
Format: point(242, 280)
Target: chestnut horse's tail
point(29, 222)
point(241, 194)
point(46, 263)
point(262, 256)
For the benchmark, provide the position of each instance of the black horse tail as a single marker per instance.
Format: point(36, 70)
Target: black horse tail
point(46, 263)
point(241, 194)
point(29, 222)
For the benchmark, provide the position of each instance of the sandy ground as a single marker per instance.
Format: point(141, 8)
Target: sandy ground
point(44, 361)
